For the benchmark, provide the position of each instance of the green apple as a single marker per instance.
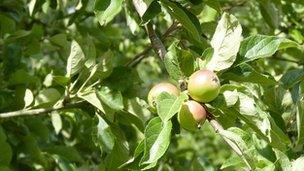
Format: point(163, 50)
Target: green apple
point(191, 115)
point(159, 88)
point(203, 85)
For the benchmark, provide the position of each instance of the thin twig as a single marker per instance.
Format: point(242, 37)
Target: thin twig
point(38, 111)
point(143, 54)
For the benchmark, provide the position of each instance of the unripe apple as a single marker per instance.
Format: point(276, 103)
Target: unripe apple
point(159, 88)
point(191, 115)
point(204, 85)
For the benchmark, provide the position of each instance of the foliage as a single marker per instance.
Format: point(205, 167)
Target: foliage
point(81, 70)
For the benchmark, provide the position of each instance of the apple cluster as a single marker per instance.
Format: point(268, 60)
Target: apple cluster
point(203, 86)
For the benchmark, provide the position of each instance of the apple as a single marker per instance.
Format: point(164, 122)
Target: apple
point(203, 85)
point(191, 115)
point(158, 89)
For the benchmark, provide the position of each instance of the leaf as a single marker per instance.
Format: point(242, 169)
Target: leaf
point(297, 165)
point(260, 46)
point(270, 13)
point(283, 160)
point(56, 121)
point(246, 105)
point(106, 10)
point(64, 164)
point(292, 77)
point(238, 144)
point(130, 18)
point(5, 150)
point(47, 97)
point(225, 43)
point(137, 107)
point(28, 98)
point(300, 122)
point(75, 60)
point(205, 58)
point(127, 118)
point(171, 62)
point(122, 79)
point(157, 139)
point(168, 107)
point(31, 6)
point(231, 97)
point(6, 153)
point(92, 98)
point(103, 135)
point(147, 9)
point(179, 63)
point(104, 67)
point(38, 128)
point(188, 20)
point(110, 97)
point(246, 73)
point(68, 153)
point(117, 157)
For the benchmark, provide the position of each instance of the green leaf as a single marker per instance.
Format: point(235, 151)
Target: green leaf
point(186, 62)
point(291, 78)
point(179, 63)
point(168, 107)
point(232, 135)
point(127, 118)
point(103, 135)
point(171, 62)
point(188, 20)
point(270, 13)
point(38, 128)
point(225, 43)
point(117, 157)
point(205, 58)
point(106, 10)
point(122, 79)
point(64, 164)
point(104, 67)
point(110, 97)
point(6, 153)
point(231, 161)
point(22, 77)
point(260, 46)
point(92, 98)
point(47, 97)
point(157, 140)
point(131, 18)
point(300, 122)
point(246, 73)
point(75, 60)
point(68, 153)
point(5, 150)
point(282, 160)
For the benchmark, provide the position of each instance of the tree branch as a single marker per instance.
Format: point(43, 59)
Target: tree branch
point(218, 128)
point(156, 43)
point(38, 111)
